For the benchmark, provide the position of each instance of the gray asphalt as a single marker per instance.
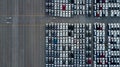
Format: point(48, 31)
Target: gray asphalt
point(22, 41)
point(15, 41)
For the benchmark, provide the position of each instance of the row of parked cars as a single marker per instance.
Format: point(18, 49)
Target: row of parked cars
point(114, 42)
point(79, 7)
point(68, 8)
point(79, 45)
point(104, 8)
point(100, 58)
point(62, 47)
point(113, 26)
point(106, 13)
point(63, 44)
point(61, 8)
point(106, 1)
point(71, 44)
point(88, 45)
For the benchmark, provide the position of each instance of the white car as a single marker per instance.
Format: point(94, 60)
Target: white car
point(83, 1)
point(118, 13)
point(100, 13)
point(90, 1)
point(78, 2)
point(95, 13)
point(109, 26)
point(103, 6)
point(106, 1)
point(106, 13)
point(112, 13)
point(106, 6)
point(112, 33)
point(87, 1)
point(80, 12)
point(95, 7)
point(118, 25)
point(83, 13)
point(115, 25)
point(66, 14)
point(95, 1)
